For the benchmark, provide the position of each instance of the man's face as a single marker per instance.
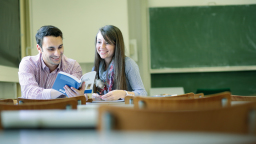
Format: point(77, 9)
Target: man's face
point(52, 51)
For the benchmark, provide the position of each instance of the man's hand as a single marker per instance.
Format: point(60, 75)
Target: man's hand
point(72, 92)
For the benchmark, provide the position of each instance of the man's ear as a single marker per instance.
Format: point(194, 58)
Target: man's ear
point(39, 49)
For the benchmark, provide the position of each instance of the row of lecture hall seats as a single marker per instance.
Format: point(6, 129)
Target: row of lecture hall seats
point(187, 112)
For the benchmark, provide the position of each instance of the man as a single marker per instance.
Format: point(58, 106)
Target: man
point(38, 73)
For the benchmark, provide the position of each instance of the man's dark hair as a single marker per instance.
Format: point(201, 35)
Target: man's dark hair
point(47, 31)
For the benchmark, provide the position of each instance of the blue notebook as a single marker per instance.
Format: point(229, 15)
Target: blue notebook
point(63, 79)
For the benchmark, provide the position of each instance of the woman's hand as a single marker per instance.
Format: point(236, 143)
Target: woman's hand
point(114, 95)
point(96, 97)
point(72, 92)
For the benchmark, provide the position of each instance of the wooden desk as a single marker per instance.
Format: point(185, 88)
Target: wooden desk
point(44, 136)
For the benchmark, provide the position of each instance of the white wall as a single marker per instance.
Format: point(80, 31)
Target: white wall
point(86, 67)
point(8, 74)
point(8, 82)
point(138, 29)
point(8, 90)
point(79, 21)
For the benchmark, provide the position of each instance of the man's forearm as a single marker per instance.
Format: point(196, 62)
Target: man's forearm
point(55, 94)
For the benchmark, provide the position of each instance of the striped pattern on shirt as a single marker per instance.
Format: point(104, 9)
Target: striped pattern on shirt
point(35, 77)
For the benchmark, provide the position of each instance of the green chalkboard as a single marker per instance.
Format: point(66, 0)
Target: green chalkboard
point(205, 36)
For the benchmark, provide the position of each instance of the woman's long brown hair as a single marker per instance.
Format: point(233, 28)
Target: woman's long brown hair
point(113, 35)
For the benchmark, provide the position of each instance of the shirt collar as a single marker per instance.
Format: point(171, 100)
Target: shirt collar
point(42, 61)
point(63, 64)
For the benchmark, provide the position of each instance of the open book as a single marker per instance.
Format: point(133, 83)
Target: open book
point(63, 79)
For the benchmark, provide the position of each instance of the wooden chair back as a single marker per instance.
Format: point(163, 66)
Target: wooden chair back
point(15, 101)
point(187, 95)
point(9, 101)
point(80, 100)
point(89, 100)
point(212, 101)
point(129, 99)
point(243, 98)
point(60, 104)
point(239, 119)
point(199, 95)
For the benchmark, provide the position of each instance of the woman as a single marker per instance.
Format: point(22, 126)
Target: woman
point(117, 75)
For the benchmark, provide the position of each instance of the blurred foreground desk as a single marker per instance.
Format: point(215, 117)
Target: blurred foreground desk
point(93, 137)
point(49, 119)
point(85, 116)
point(78, 126)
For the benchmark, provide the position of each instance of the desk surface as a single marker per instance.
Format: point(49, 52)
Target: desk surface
point(115, 137)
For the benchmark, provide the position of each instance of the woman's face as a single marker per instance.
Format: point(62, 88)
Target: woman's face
point(104, 49)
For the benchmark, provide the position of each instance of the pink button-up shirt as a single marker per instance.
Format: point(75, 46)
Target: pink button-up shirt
point(35, 77)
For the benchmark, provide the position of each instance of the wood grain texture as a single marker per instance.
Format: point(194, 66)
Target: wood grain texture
point(243, 98)
point(233, 119)
point(60, 104)
point(188, 95)
point(82, 100)
point(209, 102)
point(9, 101)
